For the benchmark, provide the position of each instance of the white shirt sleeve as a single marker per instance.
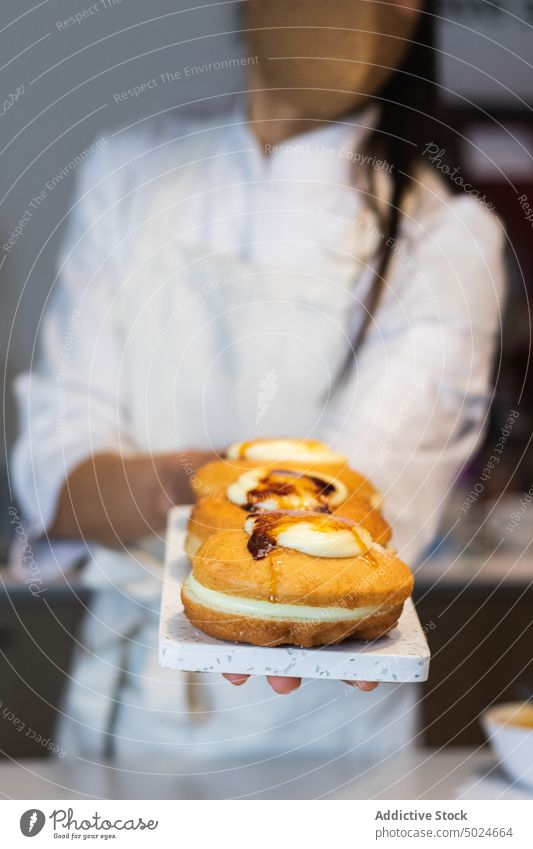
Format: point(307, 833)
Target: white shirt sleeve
point(414, 407)
point(70, 401)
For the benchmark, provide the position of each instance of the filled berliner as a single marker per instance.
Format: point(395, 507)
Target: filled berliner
point(307, 455)
point(266, 488)
point(295, 577)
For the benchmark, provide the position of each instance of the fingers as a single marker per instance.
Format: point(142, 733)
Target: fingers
point(235, 679)
point(283, 686)
point(365, 686)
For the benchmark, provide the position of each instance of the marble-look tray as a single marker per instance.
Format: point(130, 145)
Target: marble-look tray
point(402, 655)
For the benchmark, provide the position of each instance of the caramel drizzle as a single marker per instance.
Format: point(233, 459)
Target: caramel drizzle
point(244, 448)
point(268, 526)
point(269, 487)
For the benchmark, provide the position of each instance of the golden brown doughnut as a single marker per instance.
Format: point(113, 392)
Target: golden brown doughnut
point(330, 597)
point(211, 514)
point(216, 476)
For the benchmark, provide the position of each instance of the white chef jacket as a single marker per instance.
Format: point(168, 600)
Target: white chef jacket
point(208, 293)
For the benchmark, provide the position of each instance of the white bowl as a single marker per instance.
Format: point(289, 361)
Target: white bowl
point(512, 742)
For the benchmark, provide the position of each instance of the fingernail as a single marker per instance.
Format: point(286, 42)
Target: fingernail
point(236, 680)
point(283, 688)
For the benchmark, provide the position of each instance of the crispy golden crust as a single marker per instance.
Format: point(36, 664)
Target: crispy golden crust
point(224, 563)
point(216, 513)
point(264, 632)
point(219, 474)
point(212, 513)
point(208, 515)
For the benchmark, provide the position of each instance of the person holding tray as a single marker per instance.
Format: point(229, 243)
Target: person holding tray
point(294, 266)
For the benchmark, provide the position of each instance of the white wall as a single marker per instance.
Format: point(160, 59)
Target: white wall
point(487, 51)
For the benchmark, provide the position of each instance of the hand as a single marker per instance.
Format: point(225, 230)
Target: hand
point(116, 500)
point(283, 685)
point(174, 473)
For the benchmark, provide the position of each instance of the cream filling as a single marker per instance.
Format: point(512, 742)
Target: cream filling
point(297, 450)
point(309, 538)
point(235, 605)
point(238, 491)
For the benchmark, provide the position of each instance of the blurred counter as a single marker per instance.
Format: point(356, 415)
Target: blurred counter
point(418, 774)
point(477, 612)
point(496, 569)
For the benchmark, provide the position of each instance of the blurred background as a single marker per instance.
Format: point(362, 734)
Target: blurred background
point(60, 87)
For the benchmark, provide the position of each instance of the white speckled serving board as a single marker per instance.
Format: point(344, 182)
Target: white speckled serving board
point(402, 655)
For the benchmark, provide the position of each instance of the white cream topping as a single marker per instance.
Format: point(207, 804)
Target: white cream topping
point(320, 537)
point(302, 499)
point(238, 606)
point(298, 450)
